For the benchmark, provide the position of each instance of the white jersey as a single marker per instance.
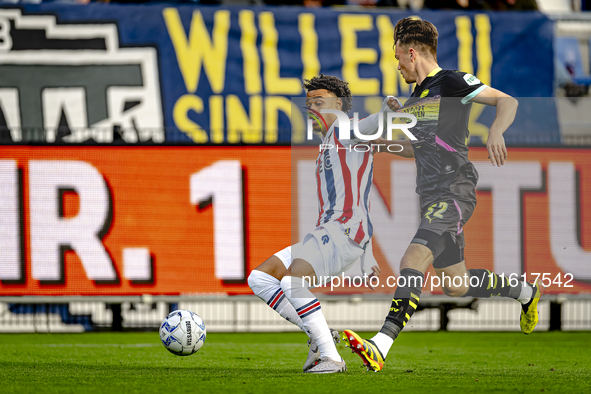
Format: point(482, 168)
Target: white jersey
point(343, 183)
point(344, 177)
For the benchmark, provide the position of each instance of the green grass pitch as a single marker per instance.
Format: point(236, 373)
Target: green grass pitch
point(420, 362)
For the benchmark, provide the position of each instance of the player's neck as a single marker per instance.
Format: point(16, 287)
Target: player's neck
point(424, 69)
point(324, 132)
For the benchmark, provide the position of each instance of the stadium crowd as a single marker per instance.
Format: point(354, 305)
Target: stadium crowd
point(493, 5)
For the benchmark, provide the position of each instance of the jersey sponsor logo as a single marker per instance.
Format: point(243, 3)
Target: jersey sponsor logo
point(89, 88)
point(471, 79)
point(425, 93)
point(417, 110)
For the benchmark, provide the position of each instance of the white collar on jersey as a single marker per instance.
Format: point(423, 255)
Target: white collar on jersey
point(330, 129)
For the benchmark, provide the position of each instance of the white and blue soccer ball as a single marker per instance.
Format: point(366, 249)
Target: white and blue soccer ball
point(182, 332)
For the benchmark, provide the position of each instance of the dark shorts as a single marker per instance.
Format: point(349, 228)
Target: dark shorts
point(442, 231)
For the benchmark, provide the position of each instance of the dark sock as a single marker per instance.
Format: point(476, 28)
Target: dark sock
point(490, 284)
point(525, 306)
point(404, 303)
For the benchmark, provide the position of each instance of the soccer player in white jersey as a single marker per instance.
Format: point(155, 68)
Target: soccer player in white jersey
point(343, 229)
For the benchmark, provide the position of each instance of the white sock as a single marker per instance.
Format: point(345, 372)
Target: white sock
point(527, 292)
point(268, 289)
point(308, 308)
point(383, 342)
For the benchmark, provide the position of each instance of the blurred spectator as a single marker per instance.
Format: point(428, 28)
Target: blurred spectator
point(373, 3)
point(504, 5)
point(493, 5)
point(209, 2)
point(244, 2)
point(306, 3)
point(563, 80)
point(446, 4)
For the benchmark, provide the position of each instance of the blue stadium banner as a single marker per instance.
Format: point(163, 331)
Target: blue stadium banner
point(212, 75)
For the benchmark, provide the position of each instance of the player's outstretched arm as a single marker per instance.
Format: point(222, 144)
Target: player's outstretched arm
point(371, 124)
point(374, 122)
point(506, 110)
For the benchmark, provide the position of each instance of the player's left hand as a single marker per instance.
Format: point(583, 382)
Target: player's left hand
point(497, 151)
point(394, 104)
point(375, 272)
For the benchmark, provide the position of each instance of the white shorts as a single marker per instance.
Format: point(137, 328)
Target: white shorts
point(327, 249)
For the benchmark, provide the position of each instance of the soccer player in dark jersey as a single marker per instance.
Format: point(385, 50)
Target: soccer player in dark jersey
point(446, 184)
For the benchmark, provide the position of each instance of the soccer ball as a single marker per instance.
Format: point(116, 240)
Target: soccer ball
point(182, 332)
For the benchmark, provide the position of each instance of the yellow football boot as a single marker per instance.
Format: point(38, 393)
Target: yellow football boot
point(366, 349)
point(529, 311)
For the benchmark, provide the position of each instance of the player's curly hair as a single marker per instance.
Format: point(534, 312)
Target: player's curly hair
point(422, 34)
point(334, 85)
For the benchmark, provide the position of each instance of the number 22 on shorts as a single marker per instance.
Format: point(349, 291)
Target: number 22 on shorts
point(439, 213)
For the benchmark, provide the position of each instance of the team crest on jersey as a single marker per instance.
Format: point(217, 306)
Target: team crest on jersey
point(425, 93)
point(87, 88)
point(471, 79)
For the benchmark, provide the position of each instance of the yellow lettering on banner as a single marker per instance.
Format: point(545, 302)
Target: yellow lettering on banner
point(483, 48)
point(216, 119)
point(274, 83)
point(349, 25)
point(180, 115)
point(391, 77)
point(250, 54)
point(309, 45)
point(243, 126)
point(484, 57)
point(199, 49)
point(388, 62)
point(298, 126)
point(465, 40)
point(274, 104)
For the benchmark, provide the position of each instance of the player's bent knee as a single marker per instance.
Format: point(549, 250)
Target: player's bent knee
point(253, 279)
point(294, 286)
point(287, 285)
point(260, 282)
point(273, 266)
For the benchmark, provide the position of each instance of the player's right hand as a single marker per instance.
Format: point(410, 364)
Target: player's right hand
point(497, 151)
point(375, 272)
